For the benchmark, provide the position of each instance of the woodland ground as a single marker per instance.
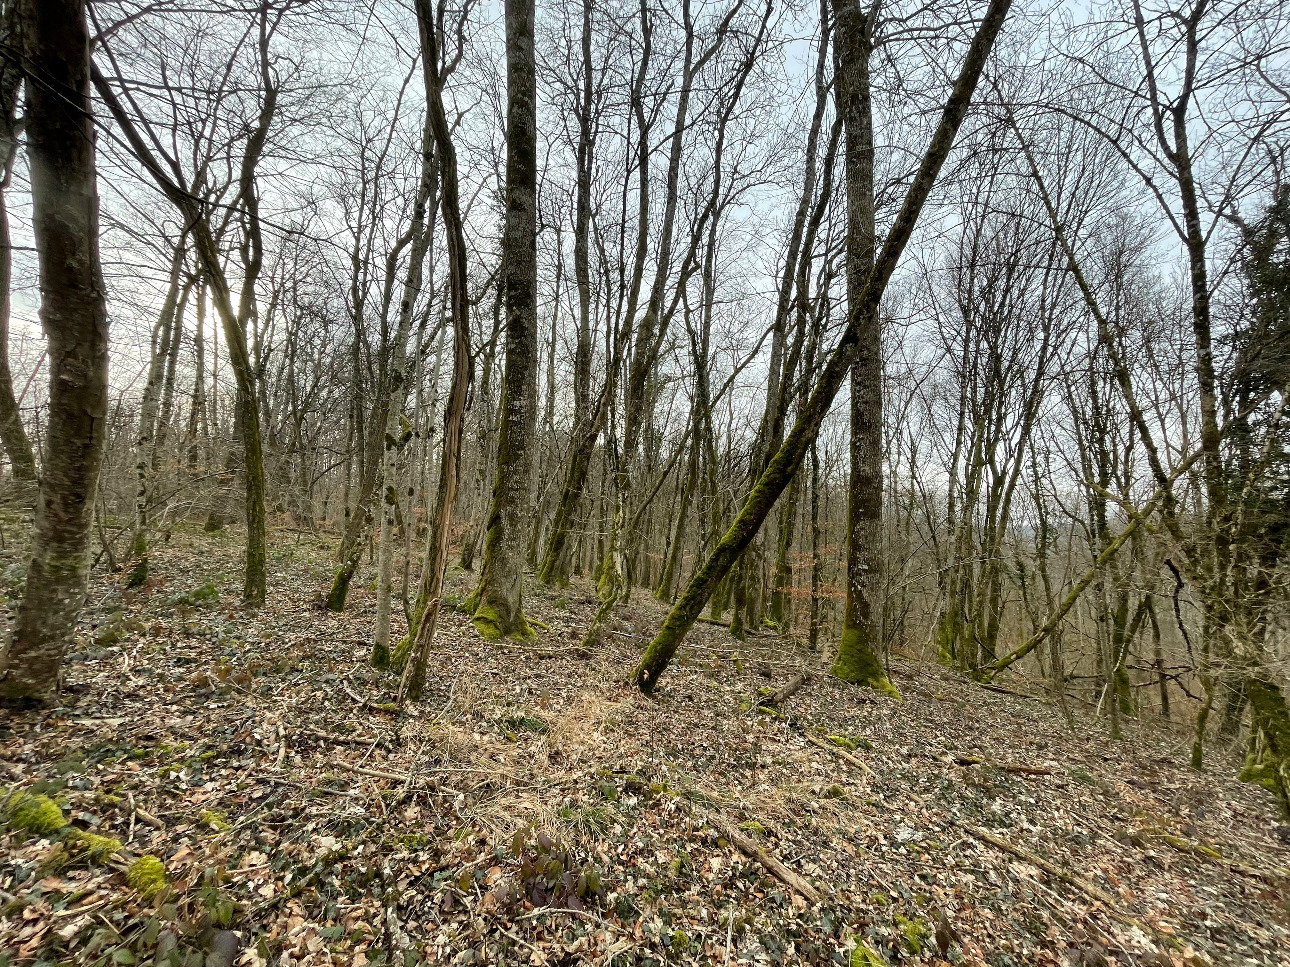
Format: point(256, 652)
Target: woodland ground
point(250, 753)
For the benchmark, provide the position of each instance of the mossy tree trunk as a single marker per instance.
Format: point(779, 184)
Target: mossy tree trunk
point(17, 447)
point(789, 456)
point(858, 659)
point(73, 313)
point(499, 600)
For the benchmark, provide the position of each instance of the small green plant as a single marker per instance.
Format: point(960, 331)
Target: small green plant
point(549, 875)
point(562, 603)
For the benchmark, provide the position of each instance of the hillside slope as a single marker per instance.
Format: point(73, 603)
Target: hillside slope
point(535, 810)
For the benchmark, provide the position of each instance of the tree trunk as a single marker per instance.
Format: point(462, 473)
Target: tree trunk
point(499, 608)
point(162, 336)
point(12, 433)
point(73, 313)
point(421, 637)
point(395, 438)
point(858, 653)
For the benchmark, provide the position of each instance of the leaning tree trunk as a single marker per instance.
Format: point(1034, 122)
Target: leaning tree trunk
point(789, 456)
point(12, 434)
point(73, 313)
point(498, 602)
point(857, 660)
point(421, 637)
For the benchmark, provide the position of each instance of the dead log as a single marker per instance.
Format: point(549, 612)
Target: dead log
point(776, 699)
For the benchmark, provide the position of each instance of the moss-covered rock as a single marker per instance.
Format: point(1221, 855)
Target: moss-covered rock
point(32, 813)
point(147, 876)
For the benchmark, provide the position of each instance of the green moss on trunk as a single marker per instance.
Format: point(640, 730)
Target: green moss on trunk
point(856, 663)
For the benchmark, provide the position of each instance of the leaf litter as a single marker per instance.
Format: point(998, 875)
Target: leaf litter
point(536, 810)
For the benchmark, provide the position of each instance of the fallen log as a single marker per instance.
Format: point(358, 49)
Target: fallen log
point(777, 698)
point(784, 874)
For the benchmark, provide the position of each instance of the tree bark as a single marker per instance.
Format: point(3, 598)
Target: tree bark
point(73, 313)
point(499, 601)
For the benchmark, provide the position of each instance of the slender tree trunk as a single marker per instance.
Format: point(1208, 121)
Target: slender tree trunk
point(858, 653)
point(499, 606)
point(73, 313)
point(162, 336)
point(421, 637)
point(13, 435)
point(395, 438)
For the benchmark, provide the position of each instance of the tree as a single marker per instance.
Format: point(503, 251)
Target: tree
point(425, 619)
point(193, 196)
point(12, 433)
point(498, 603)
point(788, 458)
point(73, 313)
point(857, 659)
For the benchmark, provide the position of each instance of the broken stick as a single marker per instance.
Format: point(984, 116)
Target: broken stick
point(784, 874)
point(838, 751)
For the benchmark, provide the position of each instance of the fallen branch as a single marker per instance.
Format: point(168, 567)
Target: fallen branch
point(337, 739)
point(784, 874)
point(1052, 869)
point(838, 751)
point(367, 771)
point(976, 760)
point(1272, 876)
point(778, 698)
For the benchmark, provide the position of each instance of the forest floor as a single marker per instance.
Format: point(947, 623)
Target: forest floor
point(535, 810)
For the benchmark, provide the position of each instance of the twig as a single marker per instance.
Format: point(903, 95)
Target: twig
point(837, 751)
point(282, 745)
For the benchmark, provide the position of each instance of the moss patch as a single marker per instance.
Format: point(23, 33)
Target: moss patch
point(92, 846)
point(147, 875)
point(863, 956)
point(32, 813)
point(858, 664)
